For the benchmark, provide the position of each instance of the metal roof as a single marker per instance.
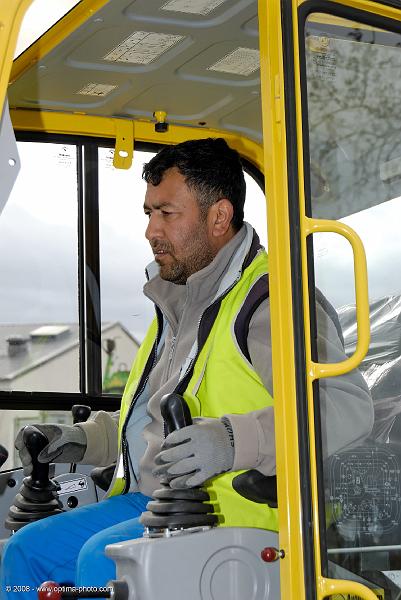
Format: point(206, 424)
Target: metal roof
point(41, 350)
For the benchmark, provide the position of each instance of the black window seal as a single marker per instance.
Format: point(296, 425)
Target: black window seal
point(93, 313)
point(81, 272)
point(364, 18)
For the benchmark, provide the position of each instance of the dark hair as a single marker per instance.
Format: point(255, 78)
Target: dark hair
point(211, 169)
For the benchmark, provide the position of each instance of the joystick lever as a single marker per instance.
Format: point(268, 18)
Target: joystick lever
point(37, 497)
point(177, 509)
point(80, 414)
point(35, 441)
point(175, 413)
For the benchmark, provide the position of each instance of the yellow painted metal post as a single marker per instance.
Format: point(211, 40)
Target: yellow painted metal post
point(124, 148)
point(78, 124)
point(11, 15)
point(275, 168)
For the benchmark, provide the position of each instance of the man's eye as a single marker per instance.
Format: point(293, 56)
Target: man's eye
point(166, 213)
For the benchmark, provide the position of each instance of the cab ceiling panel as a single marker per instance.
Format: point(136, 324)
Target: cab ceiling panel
point(197, 60)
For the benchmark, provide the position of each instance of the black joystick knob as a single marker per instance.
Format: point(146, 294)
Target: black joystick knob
point(3, 455)
point(80, 413)
point(37, 497)
point(175, 413)
point(35, 441)
point(177, 508)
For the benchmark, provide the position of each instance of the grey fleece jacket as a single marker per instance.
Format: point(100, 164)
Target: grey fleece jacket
point(346, 405)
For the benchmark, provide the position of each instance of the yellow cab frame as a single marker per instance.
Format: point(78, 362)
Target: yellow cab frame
point(281, 159)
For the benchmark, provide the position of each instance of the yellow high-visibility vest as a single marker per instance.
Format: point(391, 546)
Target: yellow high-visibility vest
point(223, 382)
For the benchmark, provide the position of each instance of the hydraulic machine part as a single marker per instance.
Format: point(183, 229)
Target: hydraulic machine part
point(37, 497)
point(79, 490)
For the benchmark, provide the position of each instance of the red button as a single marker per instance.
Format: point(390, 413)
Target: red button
point(269, 554)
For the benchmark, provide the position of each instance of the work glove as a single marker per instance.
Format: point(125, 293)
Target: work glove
point(67, 443)
point(193, 454)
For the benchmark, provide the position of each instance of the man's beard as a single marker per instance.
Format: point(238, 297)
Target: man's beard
point(200, 254)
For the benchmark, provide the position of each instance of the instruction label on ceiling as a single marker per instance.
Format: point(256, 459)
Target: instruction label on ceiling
point(195, 7)
point(242, 61)
point(142, 47)
point(96, 89)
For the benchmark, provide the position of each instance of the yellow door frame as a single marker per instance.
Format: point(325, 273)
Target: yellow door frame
point(292, 571)
point(11, 15)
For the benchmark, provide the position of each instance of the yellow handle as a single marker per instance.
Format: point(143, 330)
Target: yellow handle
point(319, 370)
point(330, 587)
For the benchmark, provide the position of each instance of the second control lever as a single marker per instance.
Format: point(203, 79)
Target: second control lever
point(80, 414)
point(176, 509)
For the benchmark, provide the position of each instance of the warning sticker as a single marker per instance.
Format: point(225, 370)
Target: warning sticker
point(74, 485)
point(242, 61)
point(195, 7)
point(142, 47)
point(96, 89)
point(322, 58)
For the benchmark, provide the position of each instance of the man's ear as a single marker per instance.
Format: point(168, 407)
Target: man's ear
point(221, 214)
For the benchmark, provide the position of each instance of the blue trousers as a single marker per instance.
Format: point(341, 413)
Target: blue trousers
point(69, 548)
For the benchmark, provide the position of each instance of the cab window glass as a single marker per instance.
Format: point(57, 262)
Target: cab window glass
point(39, 17)
point(353, 90)
point(38, 271)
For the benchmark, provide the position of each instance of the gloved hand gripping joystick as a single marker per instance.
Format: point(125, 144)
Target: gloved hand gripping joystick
point(37, 496)
point(175, 508)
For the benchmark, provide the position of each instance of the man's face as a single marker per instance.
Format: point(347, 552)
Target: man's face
point(177, 232)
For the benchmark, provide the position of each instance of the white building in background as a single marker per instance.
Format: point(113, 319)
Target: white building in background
point(45, 358)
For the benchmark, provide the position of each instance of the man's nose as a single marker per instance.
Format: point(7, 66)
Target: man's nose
point(153, 229)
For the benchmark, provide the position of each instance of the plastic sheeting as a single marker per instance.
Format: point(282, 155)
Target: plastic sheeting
point(381, 366)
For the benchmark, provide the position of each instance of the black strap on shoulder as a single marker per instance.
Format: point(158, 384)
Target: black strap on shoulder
point(257, 294)
point(260, 292)
point(253, 250)
point(205, 328)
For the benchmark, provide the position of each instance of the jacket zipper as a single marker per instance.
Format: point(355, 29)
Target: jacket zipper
point(124, 443)
point(171, 354)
